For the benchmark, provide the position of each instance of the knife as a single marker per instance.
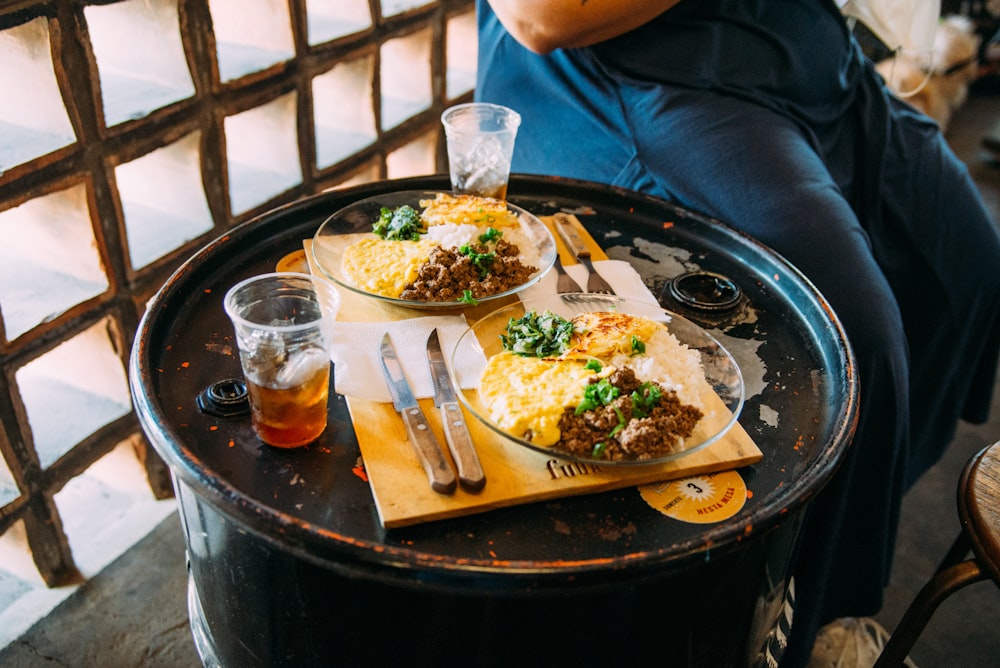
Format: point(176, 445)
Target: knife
point(577, 246)
point(470, 471)
point(441, 477)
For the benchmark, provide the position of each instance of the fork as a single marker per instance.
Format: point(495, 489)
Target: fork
point(588, 300)
point(564, 282)
point(595, 282)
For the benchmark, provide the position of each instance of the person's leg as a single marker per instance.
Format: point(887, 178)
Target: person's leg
point(941, 254)
point(916, 285)
point(757, 171)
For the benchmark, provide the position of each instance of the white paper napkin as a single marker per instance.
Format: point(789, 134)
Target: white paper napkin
point(624, 279)
point(358, 372)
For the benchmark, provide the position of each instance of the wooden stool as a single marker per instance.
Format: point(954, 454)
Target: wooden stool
point(979, 511)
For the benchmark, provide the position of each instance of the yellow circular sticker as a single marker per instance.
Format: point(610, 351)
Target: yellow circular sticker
point(294, 261)
point(699, 499)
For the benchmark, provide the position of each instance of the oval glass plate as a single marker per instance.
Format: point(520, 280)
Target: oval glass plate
point(722, 393)
point(354, 223)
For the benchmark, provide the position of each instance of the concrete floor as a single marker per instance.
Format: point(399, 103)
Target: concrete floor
point(133, 613)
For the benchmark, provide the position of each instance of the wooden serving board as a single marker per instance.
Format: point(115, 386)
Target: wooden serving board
point(514, 474)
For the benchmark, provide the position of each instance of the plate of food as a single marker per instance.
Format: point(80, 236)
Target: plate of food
point(433, 250)
point(598, 379)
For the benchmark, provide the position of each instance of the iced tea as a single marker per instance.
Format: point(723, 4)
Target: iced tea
point(284, 325)
point(287, 417)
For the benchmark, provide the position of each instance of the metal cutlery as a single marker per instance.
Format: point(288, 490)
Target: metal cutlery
point(569, 234)
point(428, 450)
point(564, 282)
point(470, 471)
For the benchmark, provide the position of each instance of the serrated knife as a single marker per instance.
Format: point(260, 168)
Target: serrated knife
point(470, 471)
point(435, 464)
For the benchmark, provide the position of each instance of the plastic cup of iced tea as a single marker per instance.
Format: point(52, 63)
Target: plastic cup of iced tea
point(480, 138)
point(284, 330)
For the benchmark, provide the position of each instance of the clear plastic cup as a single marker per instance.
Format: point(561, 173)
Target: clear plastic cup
point(480, 139)
point(284, 330)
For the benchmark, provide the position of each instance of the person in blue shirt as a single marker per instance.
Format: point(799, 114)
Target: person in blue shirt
point(765, 114)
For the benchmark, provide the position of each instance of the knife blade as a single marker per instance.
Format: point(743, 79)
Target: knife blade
point(439, 472)
point(456, 432)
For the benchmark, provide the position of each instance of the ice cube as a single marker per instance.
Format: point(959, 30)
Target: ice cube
point(263, 344)
point(483, 180)
point(485, 151)
point(300, 366)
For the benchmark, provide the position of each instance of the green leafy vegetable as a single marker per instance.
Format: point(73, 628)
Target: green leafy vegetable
point(621, 422)
point(467, 298)
point(401, 224)
point(484, 216)
point(638, 347)
point(596, 395)
point(545, 335)
point(491, 234)
point(593, 365)
point(645, 399)
point(482, 261)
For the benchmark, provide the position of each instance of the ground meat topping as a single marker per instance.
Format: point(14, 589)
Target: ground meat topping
point(448, 273)
point(596, 432)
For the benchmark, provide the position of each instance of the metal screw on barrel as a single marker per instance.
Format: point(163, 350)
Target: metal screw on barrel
point(226, 398)
point(705, 291)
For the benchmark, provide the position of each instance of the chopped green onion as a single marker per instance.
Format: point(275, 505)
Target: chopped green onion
point(491, 234)
point(482, 261)
point(621, 422)
point(645, 399)
point(596, 395)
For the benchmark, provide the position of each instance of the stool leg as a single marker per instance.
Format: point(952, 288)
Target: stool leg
point(942, 585)
point(959, 551)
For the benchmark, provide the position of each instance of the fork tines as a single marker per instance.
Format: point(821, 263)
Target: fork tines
point(565, 282)
point(596, 282)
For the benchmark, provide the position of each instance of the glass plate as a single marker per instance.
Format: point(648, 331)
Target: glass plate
point(722, 394)
point(354, 222)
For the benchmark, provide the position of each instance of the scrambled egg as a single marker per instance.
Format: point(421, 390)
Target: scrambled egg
point(526, 396)
point(385, 267)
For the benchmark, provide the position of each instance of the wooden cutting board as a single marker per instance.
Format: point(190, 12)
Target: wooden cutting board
point(514, 474)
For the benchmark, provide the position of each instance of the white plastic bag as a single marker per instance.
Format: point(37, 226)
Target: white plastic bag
point(906, 25)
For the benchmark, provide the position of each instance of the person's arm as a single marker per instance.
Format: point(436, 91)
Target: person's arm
point(546, 25)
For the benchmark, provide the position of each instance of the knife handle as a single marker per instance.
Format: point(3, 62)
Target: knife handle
point(438, 471)
point(564, 224)
point(470, 471)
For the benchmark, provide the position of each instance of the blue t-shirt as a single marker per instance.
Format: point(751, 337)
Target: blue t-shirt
point(795, 57)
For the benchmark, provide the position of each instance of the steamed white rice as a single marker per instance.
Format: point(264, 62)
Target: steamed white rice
point(670, 363)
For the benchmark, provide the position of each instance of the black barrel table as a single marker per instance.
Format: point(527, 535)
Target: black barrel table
point(289, 564)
